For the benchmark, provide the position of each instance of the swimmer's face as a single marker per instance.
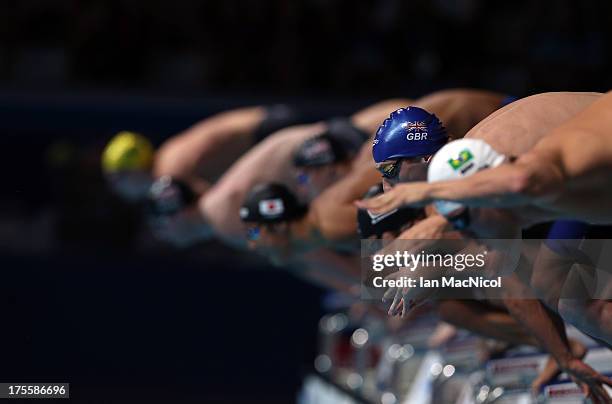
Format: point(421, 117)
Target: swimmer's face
point(403, 170)
point(268, 239)
point(314, 180)
point(130, 185)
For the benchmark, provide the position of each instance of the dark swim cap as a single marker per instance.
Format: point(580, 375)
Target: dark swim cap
point(271, 203)
point(319, 151)
point(369, 225)
point(278, 116)
point(167, 196)
point(408, 132)
point(340, 142)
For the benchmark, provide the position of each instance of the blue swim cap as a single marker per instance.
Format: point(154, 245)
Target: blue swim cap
point(408, 132)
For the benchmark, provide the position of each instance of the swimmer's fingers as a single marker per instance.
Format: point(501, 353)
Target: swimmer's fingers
point(594, 394)
point(405, 306)
point(601, 394)
point(408, 302)
point(400, 308)
point(389, 294)
point(589, 379)
point(399, 273)
point(396, 301)
point(414, 194)
point(393, 246)
point(397, 310)
point(424, 243)
point(397, 297)
point(605, 380)
point(597, 392)
point(381, 203)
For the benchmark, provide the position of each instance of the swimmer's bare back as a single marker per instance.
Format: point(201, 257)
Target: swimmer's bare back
point(208, 148)
point(269, 161)
point(517, 127)
point(460, 109)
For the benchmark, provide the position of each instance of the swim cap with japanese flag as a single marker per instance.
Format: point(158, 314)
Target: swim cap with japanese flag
point(271, 207)
point(458, 159)
point(270, 203)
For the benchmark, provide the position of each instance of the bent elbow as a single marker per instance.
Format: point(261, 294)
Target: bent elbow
point(166, 158)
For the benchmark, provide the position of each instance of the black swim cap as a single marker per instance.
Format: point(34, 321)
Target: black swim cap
point(340, 141)
point(271, 203)
point(278, 116)
point(369, 225)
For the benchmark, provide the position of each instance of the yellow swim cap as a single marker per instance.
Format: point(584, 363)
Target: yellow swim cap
point(127, 151)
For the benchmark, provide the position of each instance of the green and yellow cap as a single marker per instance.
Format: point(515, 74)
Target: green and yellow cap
point(127, 151)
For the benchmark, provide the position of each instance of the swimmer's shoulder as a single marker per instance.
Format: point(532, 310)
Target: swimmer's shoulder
point(557, 99)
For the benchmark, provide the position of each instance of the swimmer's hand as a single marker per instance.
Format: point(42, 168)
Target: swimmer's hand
point(590, 381)
point(443, 333)
point(421, 236)
point(405, 299)
point(552, 369)
point(422, 233)
point(414, 194)
point(400, 303)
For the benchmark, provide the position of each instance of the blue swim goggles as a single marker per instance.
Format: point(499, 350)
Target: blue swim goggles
point(253, 233)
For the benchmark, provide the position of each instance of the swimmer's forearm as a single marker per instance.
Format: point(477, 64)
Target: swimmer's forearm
point(539, 321)
point(582, 147)
point(497, 187)
point(483, 320)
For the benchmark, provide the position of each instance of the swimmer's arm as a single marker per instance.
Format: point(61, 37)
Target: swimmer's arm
point(180, 155)
point(334, 213)
point(546, 326)
point(418, 295)
point(550, 271)
point(496, 187)
point(584, 142)
point(581, 151)
point(482, 319)
point(433, 227)
point(576, 157)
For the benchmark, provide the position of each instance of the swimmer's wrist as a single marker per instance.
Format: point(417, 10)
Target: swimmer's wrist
point(562, 355)
point(449, 190)
point(566, 360)
point(433, 191)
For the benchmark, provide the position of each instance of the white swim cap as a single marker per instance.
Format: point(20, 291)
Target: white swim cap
point(458, 159)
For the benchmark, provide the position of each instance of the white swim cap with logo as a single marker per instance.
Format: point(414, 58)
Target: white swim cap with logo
point(458, 159)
